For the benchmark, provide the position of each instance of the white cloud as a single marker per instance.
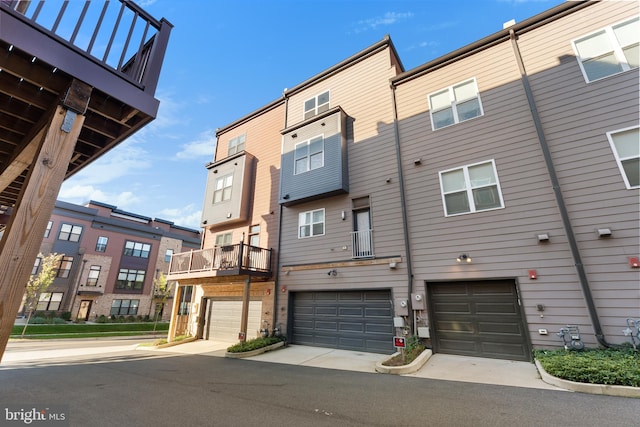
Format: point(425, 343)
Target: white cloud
point(80, 194)
point(203, 146)
point(388, 18)
point(188, 216)
point(125, 159)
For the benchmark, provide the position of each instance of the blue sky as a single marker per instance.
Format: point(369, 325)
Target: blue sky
point(228, 58)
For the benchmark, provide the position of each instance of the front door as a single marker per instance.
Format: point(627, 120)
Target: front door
point(84, 310)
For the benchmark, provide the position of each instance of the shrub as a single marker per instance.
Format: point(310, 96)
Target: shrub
point(38, 320)
point(101, 319)
point(254, 344)
point(58, 321)
point(66, 315)
point(131, 319)
point(414, 347)
point(611, 366)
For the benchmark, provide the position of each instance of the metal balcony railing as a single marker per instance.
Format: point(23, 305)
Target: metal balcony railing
point(246, 259)
point(362, 244)
point(120, 35)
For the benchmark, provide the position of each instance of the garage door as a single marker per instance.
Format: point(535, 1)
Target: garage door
point(478, 319)
point(349, 320)
point(223, 320)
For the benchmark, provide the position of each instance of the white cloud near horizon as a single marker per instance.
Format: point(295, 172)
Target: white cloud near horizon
point(203, 146)
point(388, 18)
point(187, 216)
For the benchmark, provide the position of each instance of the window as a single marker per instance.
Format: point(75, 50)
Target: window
point(471, 188)
point(36, 266)
point(64, 268)
point(223, 189)
point(254, 235)
point(70, 232)
point(167, 255)
point(309, 155)
point(223, 239)
point(124, 307)
point(49, 301)
point(137, 249)
point(625, 144)
point(455, 104)
point(186, 293)
point(236, 145)
point(47, 232)
point(101, 244)
point(94, 273)
point(311, 223)
point(609, 51)
point(316, 105)
point(130, 279)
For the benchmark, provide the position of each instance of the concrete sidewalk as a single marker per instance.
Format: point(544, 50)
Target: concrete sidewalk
point(439, 366)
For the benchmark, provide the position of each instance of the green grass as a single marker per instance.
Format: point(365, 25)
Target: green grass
point(254, 344)
point(88, 330)
point(613, 366)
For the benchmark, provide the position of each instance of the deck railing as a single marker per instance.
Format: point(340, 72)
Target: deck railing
point(362, 244)
point(118, 34)
point(241, 257)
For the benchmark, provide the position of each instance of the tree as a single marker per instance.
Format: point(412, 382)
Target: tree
point(39, 283)
point(162, 290)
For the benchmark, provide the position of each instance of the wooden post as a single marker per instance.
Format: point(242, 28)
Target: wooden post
point(244, 321)
point(174, 313)
point(23, 236)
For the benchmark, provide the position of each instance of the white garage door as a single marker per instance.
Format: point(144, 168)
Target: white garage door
point(224, 317)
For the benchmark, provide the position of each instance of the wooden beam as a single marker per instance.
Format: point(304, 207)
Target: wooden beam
point(21, 242)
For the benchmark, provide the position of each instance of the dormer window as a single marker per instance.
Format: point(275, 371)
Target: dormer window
point(316, 105)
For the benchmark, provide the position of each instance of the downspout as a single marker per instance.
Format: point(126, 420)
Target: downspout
point(564, 214)
point(278, 245)
point(403, 204)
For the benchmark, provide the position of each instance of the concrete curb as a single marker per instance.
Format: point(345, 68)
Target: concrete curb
point(609, 390)
point(170, 344)
point(405, 369)
point(254, 352)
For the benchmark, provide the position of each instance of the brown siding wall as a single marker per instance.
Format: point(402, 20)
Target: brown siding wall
point(503, 242)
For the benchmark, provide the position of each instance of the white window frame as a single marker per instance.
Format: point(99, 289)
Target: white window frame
point(70, 232)
point(93, 275)
point(236, 144)
point(619, 159)
point(308, 155)
point(224, 239)
point(317, 108)
point(454, 103)
point(469, 188)
point(303, 223)
point(137, 249)
point(47, 232)
point(226, 183)
point(616, 48)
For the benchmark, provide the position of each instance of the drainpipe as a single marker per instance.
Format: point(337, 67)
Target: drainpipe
point(277, 262)
point(564, 214)
point(403, 204)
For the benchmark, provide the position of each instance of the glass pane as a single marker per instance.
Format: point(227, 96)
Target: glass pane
point(304, 230)
point(318, 216)
point(301, 165)
point(228, 180)
point(219, 183)
point(440, 100)
point(627, 143)
point(310, 104)
point(302, 150)
point(632, 53)
point(217, 196)
point(486, 198)
point(602, 67)
point(323, 98)
point(226, 194)
point(56, 296)
point(632, 170)
point(457, 203)
point(594, 45)
point(125, 303)
point(315, 145)
point(453, 181)
point(442, 118)
point(318, 229)
point(482, 175)
point(316, 161)
point(628, 33)
point(468, 110)
point(465, 91)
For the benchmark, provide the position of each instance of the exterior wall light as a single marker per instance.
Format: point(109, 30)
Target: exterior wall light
point(333, 273)
point(464, 258)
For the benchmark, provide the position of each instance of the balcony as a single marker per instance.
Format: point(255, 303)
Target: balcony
point(221, 261)
point(362, 244)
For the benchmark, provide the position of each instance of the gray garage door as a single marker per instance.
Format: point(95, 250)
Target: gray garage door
point(349, 320)
point(480, 319)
